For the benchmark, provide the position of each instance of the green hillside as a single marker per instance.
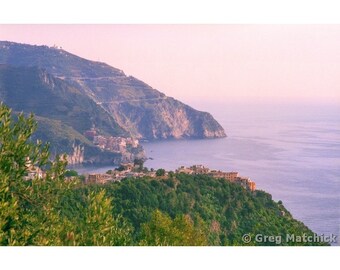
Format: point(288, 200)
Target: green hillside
point(34, 90)
point(63, 112)
point(221, 211)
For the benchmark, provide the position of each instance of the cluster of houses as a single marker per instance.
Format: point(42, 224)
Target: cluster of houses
point(234, 177)
point(134, 170)
point(131, 170)
point(113, 144)
point(127, 170)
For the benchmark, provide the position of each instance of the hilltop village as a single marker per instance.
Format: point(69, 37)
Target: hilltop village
point(134, 170)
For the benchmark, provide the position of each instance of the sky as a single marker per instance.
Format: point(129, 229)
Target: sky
point(209, 63)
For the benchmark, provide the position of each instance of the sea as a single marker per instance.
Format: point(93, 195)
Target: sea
point(291, 151)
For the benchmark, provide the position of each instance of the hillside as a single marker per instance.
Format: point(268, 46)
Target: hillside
point(34, 90)
point(63, 112)
point(221, 212)
point(64, 139)
point(138, 108)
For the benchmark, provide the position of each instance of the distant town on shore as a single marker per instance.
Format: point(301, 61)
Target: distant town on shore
point(137, 170)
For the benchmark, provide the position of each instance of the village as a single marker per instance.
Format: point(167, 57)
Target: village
point(134, 170)
point(127, 147)
point(113, 144)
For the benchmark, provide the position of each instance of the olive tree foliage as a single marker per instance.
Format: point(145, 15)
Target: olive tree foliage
point(15, 194)
point(100, 228)
point(30, 211)
point(161, 230)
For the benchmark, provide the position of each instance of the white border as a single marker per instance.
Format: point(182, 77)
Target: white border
point(169, 258)
point(171, 11)
point(174, 11)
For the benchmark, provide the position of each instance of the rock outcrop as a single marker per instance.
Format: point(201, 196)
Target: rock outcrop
point(77, 156)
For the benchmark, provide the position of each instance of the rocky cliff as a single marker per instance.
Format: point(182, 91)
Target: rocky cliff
point(139, 109)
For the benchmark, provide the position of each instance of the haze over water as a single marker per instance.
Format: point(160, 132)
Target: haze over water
point(290, 151)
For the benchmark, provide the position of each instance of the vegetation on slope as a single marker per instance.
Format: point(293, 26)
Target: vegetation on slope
point(63, 112)
point(34, 90)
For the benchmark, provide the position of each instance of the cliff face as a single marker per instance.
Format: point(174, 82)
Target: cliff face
point(138, 108)
point(164, 118)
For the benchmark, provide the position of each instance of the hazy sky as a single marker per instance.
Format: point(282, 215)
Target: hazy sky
point(208, 62)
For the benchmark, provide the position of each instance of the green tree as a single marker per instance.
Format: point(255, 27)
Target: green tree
point(161, 230)
point(70, 173)
point(15, 150)
point(139, 162)
point(31, 212)
point(99, 226)
point(160, 172)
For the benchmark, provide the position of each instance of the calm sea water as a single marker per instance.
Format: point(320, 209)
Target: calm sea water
point(291, 152)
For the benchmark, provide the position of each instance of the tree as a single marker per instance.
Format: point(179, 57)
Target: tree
point(120, 168)
point(171, 174)
point(99, 227)
point(70, 173)
point(139, 162)
point(161, 230)
point(160, 172)
point(31, 212)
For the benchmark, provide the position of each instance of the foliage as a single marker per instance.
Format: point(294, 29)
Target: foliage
point(161, 230)
point(139, 162)
point(70, 173)
point(224, 211)
point(31, 211)
point(99, 227)
point(160, 172)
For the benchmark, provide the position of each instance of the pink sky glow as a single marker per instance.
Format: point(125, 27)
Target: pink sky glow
point(291, 63)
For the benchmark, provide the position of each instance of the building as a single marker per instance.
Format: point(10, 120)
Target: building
point(234, 177)
point(251, 185)
point(100, 141)
point(231, 176)
point(246, 183)
point(185, 170)
point(98, 178)
point(199, 169)
point(90, 134)
point(127, 166)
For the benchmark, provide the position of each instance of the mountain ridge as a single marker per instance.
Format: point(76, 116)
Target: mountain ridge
point(138, 108)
